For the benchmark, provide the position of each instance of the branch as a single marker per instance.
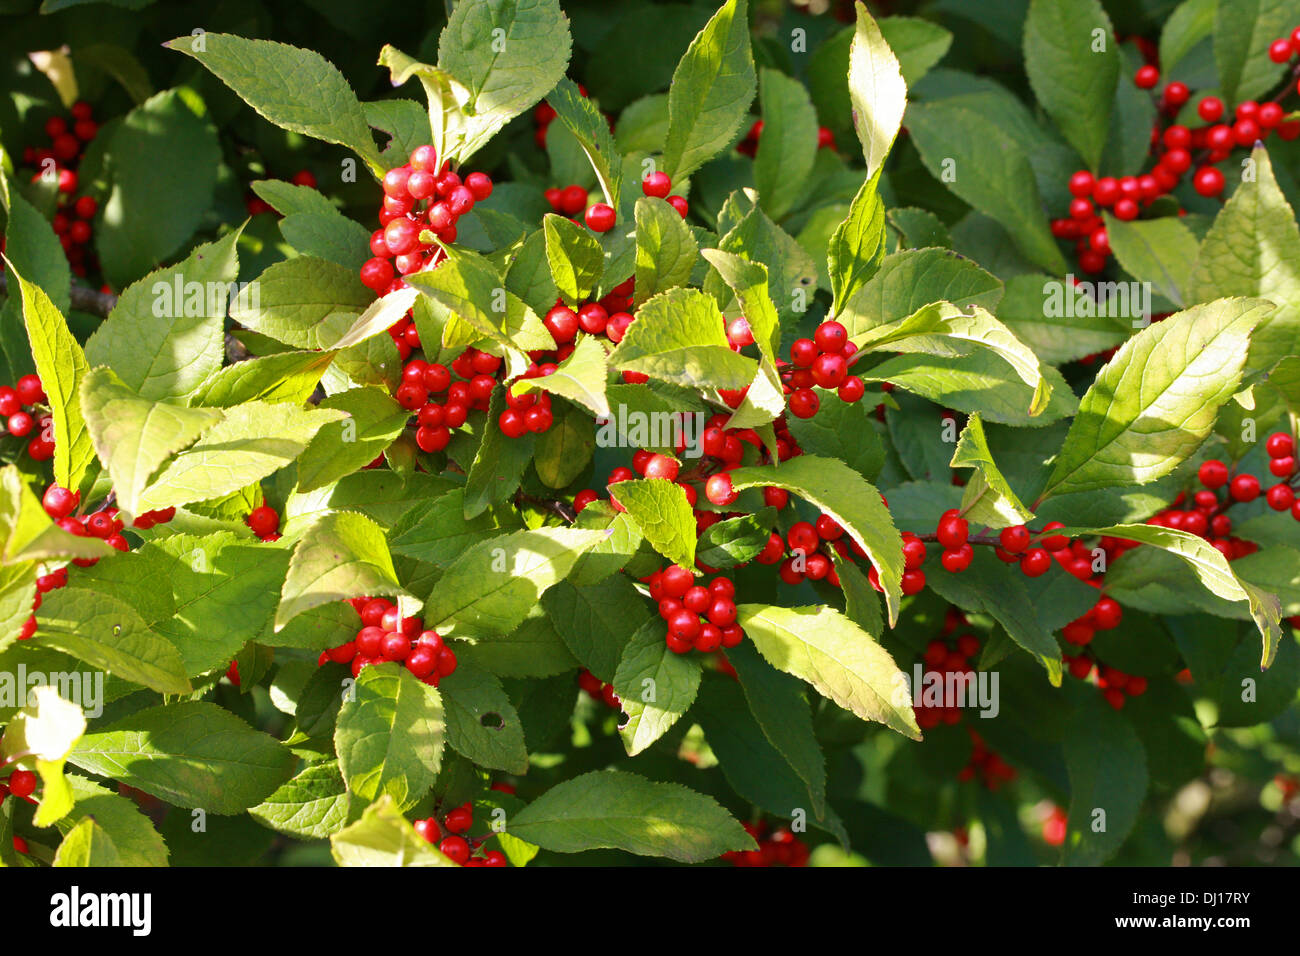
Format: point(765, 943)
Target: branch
point(84, 298)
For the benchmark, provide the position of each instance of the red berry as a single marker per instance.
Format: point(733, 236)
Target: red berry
point(59, 502)
point(1279, 445)
point(830, 337)
point(600, 217)
point(1146, 77)
point(455, 848)
point(573, 199)
point(1244, 488)
point(1035, 562)
point(1280, 497)
point(1014, 539)
point(1279, 51)
point(1213, 474)
point(1210, 109)
point(718, 489)
point(263, 521)
point(1208, 181)
point(1081, 184)
point(22, 783)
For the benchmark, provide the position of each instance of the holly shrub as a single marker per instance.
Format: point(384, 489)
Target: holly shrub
point(738, 434)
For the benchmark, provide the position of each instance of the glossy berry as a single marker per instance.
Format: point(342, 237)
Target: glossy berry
point(1208, 181)
point(263, 521)
point(1035, 562)
point(657, 184)
point(22, 783)
point(1279, 445)
point(1146, 77)
point(1244, 488)
point(1213, 474)
point(600, 217)
point(59, 502)
point(719, 491)
point(1015, 539)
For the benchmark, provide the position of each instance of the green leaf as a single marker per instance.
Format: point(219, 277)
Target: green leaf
point(298, 90)
point(841, 430)
point(877, 91)
point(134, 838)
point(564, 450)
point(678, 337)
point(1073, 79)
point(499, 462)
point(133, 436)
point(108, 633)
point(390, 735)
point(711, 90)
point(284, 377)
point(87, 844)
point(1155, 402)
point(162, 154)
point(482, 724)
point(1242, 33)
point(343, 447)
point(655, 685)
point(312, 805)
point(780, 708)
point(533, 649)
point(493, 585)
point(253, 440)
point(33, 250)
point(791, 273)
point(223, 590)
point(579, 378)
point(507, 54)
point(439, 532)
point(662, 514)
point(1213, 571)
point(342, 554)
point(918, 44)
point(191, 754)
point(1003, 593)
point(748, 280)
point(840, 660)
point(1108, 771)
point(848, 498)
point(666, 250)
point(1159, 251)
point(577, 261)
point(788, 147)
point(61, 365)
point(965, 146)
point(909, 280)
point(735, 541)
point(383, 837)
point(1253, 249)
point(296, 297)
point(1059, 329)
point(472, 288)
point(619, 810)
point(585, 122)
point(164, 335)
point(857, 246)
point(596, 621)
point(987, 498)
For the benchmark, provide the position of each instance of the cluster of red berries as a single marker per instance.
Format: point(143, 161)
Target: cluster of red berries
point(452, 844)
point(1176, 149)
point(387, 636)
point(807, 545)
point(749, 145)
point(941, 658)
point(776, 847)
point(699, 618)
point(607, 317)
point(1242, 488)
point(985, 765)
point(1115, 685)
point(265, 522)
point(598, 690)
point(22, 417)
point(258, 206)
point(106, 524)
point(68, 139)
point(422, 204)
point(824, 361)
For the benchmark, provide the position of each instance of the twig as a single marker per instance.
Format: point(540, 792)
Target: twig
point(84, 298)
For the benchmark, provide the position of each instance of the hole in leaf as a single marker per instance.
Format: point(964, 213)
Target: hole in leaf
point(493, 720)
